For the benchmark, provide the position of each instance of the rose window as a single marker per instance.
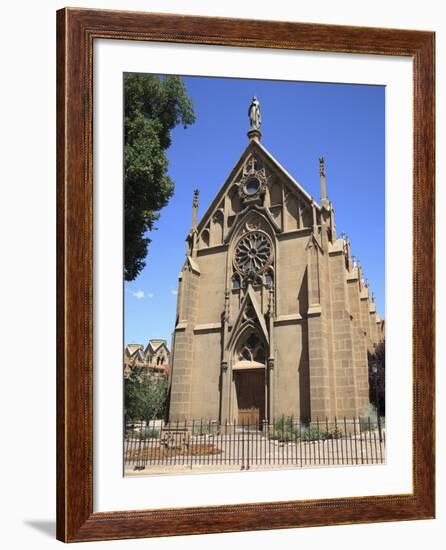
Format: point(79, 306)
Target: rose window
point(253, 252)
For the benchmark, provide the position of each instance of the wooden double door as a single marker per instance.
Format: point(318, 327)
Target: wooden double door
point(250, 388)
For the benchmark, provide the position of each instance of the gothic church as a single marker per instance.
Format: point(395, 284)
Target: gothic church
point(273, 315)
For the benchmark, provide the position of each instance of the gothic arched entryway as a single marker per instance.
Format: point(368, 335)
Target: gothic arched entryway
point(250, 391)
point(249, 378)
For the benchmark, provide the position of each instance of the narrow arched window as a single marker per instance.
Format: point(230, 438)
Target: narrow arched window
point(235, 281)
point(269, 278)
point(205, 238)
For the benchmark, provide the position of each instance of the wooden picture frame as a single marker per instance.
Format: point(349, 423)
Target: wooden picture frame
point(76, 31)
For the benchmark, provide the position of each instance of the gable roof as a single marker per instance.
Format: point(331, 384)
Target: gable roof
point(156, 344)
point(133, 348)
point(251, 148)
point(277, 164)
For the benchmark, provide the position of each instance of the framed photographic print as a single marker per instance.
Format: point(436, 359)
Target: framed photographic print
point(245, 275)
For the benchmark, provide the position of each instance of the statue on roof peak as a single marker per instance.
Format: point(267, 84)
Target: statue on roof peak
point(254, 114)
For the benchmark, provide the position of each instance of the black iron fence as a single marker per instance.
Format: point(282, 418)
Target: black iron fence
point(284, 442)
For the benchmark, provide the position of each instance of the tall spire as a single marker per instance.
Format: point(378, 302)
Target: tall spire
point(195, 208)
point(255, 120)
point(324, 200)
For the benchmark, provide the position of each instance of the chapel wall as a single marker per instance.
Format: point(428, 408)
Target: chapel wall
point(318, 335)
point(360, 359)
point(204, 391)
point(291, 273)
point(182, 367)
point(343, 366)
point(291, 369)
point(212, 285)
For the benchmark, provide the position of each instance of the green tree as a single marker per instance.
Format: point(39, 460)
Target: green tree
point(377, 380)
point(145, 396)
point(153, 106)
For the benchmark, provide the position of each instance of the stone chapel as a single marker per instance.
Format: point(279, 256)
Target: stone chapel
point(273, 315)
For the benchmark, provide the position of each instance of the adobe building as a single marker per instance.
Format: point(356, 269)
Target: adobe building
point(273, 315)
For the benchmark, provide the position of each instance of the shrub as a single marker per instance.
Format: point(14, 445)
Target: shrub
point(149, 433)
point(282, 436)
point(202, 429)
point(315, 433)
point(286, 424)
point(304, 433)
point(333, 433)
point(368, 420)
point(284, 429)
point(311, 433)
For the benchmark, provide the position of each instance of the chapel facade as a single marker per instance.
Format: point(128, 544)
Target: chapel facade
point(273, 314)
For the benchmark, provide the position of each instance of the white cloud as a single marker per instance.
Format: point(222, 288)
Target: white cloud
point(140, 294)
point(174, 292)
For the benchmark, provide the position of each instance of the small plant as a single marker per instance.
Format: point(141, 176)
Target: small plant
point(319, 433)
point(333, 433)
point(284, 423)
point(284, 429)
point(368, 420)
point(282, 436)
point(149, 433)
point(313, 433)
point(310, 433)
point(202, 429)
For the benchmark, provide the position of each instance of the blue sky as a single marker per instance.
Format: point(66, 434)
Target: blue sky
point(302, 121)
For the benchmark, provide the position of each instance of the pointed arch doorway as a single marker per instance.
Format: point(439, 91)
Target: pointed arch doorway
point(249, 380)
point(250, 392)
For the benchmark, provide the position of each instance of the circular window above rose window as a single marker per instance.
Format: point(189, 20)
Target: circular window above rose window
point(252, 186)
